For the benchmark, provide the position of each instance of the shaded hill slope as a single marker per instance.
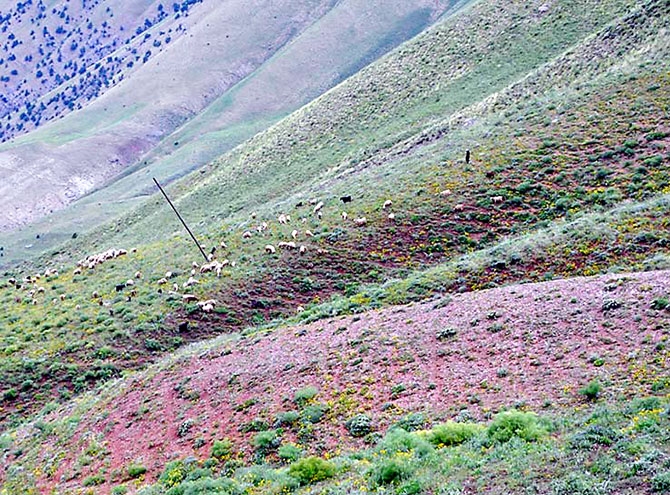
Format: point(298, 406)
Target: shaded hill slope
point(151, 97)
point(534, 344)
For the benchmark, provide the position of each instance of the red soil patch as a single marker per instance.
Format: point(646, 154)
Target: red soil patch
point(533, 344)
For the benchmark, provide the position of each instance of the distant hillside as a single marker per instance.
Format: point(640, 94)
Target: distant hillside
point(90, 90)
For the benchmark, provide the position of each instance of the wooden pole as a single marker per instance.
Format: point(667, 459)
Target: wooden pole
point(182, 220)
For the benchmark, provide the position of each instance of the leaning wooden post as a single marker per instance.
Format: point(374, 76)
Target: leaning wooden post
point(182, 220)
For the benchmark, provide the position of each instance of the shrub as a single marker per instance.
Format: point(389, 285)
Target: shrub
point(287, 418)
point(660, 303)
point(10, 394)
point(311, 470)
point(399, 440)
point(95, 480)
point(359, 426)
point(304, 395)
point(222, 449)
point(452, 433)
point(266, 440)
point(509, 424)
point(119, 490)
point(412, 422)
point(314, 413)
point(391, 471)
point(136, 470)
point(594, 435)
point(591, 391)
point(661, 482)
point(289, 452)
point(644, 404)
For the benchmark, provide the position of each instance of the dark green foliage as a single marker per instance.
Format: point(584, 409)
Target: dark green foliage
point(412, 422)
point(94, 480)
point(661, 483)
point(312, 470)
point(591, 391)
point(136, 470)
point(266, 441)
point(359, 426)
point(660, 303)
point(594, 435)
point(391, 471)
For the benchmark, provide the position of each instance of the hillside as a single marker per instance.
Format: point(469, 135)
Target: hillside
point(92, 90)
point(363, 275)
point(532, 346)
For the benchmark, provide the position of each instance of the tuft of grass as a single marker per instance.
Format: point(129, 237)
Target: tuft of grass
point(516, 424)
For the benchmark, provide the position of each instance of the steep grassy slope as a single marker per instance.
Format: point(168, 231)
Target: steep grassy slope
point(468, 356)
point(255, 62)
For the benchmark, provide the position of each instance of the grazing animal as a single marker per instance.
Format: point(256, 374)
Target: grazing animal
point(459, 207)
point(168, 274)
point(446, 192)
point(130, 282)
point(62, 297)
point(345, 199)
point(286, 245)
point(120, 287)
point(190, 282)
point(162, 281)
point(270, 249)
point(299, 309)
point(246, 234)
point(294, 234)
point(318, 206)
point(77, 271)
point(224, 245)
point(360, 221)
point(467, 157)
point(391, 216)
point(308, 233)
point(497, 199)
point(284, 219)
point(95, 294)
point(138, 274)
point(387, 204)
point(189, 298)
point(299, 204)
point(344, 215)
point(303, 249)
point(183, 327)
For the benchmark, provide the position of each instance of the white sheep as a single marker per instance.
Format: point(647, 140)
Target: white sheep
point(168, 275)
point(190, 282)
point(303, 249)
point(224, 245)
point(299, 309)
point(446, 192)
point(287, 245)
point(189, 298)
point(270, 249)
point(130, 282)
point(138, 274)
point(308, 233)
point(360, 221)
point(497, 199)
point(246, 234)
point(344, 215)
point(318, 207)
point(162, 281)
point(77, 271)
point(387, 204)
point(391, 216)
point(459, 207)
point(294, 234)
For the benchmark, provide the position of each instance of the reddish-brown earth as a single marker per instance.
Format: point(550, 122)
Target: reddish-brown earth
point(533, 344)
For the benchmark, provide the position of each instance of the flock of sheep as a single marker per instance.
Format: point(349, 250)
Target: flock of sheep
point(31, 285)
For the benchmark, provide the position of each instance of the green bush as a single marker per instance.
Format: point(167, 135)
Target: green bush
point(591, 391)
point(289, 452)
point(399, 440)
point(594, 435)
point(452, 433)
point(266, 440)
point(222, 449)
point(412, 422)
point(287, 418)
point(314, 413)
point(510, 424)
point(206, 486)
point(311, 470)
point(661, 482)
point(136, 470)
point(391, 471)
point(95, 480)
point(644, 404)
point(304, 395)
point(119, 490)
point(359, 426)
